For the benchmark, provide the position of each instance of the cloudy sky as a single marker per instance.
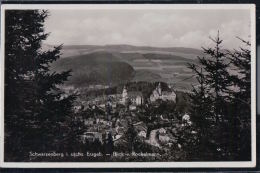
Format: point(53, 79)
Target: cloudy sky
point(160, 28)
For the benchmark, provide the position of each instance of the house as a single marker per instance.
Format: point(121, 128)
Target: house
point(162, 131)
point(186, 119)
point(91, 136)
point(116, 137)
point(164, 138)
point(102, 105)
point(132, 107)
point(168, 96)
point(85, 137)
point(114, 97)
point(78, 108)
point(135, 97)
point(141, 129)
point(140, 126)
point(120, 130)
point(142, 134)
point(162, 95)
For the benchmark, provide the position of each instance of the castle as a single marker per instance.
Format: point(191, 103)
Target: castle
point(136, 97)
point(162, 95)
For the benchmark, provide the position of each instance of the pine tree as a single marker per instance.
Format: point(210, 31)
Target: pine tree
point(216, 75)
point(241, 101)
point(225, 114)
point(210, 102)
point(241, 60)
point(35, 111)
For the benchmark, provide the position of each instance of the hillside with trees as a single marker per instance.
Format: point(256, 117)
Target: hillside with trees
point(95, 68)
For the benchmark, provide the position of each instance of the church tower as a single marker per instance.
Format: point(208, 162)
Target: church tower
point(124, 95)
point(159, 89)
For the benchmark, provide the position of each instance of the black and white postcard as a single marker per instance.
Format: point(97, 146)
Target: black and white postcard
point(123, 86)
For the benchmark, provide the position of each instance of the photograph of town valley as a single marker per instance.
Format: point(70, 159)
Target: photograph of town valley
point(127, 85)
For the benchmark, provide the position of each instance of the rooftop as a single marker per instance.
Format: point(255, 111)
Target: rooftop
point(134, 93)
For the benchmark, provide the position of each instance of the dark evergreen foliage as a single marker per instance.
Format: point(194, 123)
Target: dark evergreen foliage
point(220, 104)
point(36, 113)
point(130, 137)
point(241, 100)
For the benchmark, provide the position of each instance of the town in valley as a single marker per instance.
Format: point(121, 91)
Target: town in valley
point(107, 117)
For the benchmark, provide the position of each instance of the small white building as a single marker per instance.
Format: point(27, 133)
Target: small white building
point(142, 134)
point(164, 138)
point(135, 97)
point(132, 107)
point(186, 119)
point(162, 131)
point(91, 136)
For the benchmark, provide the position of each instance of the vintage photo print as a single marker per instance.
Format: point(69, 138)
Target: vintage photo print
point(127, 86)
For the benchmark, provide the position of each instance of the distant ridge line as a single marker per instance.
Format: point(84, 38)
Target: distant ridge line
point(127, 47)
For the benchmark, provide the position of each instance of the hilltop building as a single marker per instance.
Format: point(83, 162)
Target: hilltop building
point(162, 95)
point(135, 97)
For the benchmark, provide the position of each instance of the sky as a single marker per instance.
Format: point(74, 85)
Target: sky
point(159, 28)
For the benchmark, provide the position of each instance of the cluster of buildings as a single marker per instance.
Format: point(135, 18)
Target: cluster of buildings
point(135, 98)
point(130, 99)
point(100, 128)
point(162, 95)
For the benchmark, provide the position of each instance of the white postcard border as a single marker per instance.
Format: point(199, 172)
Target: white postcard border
point(224, 164)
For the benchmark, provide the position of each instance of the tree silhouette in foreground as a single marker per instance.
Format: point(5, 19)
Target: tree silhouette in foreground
point(220, 104)
point(37, 113)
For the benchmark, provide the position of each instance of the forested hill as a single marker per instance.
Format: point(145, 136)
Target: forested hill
point(95, 68)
